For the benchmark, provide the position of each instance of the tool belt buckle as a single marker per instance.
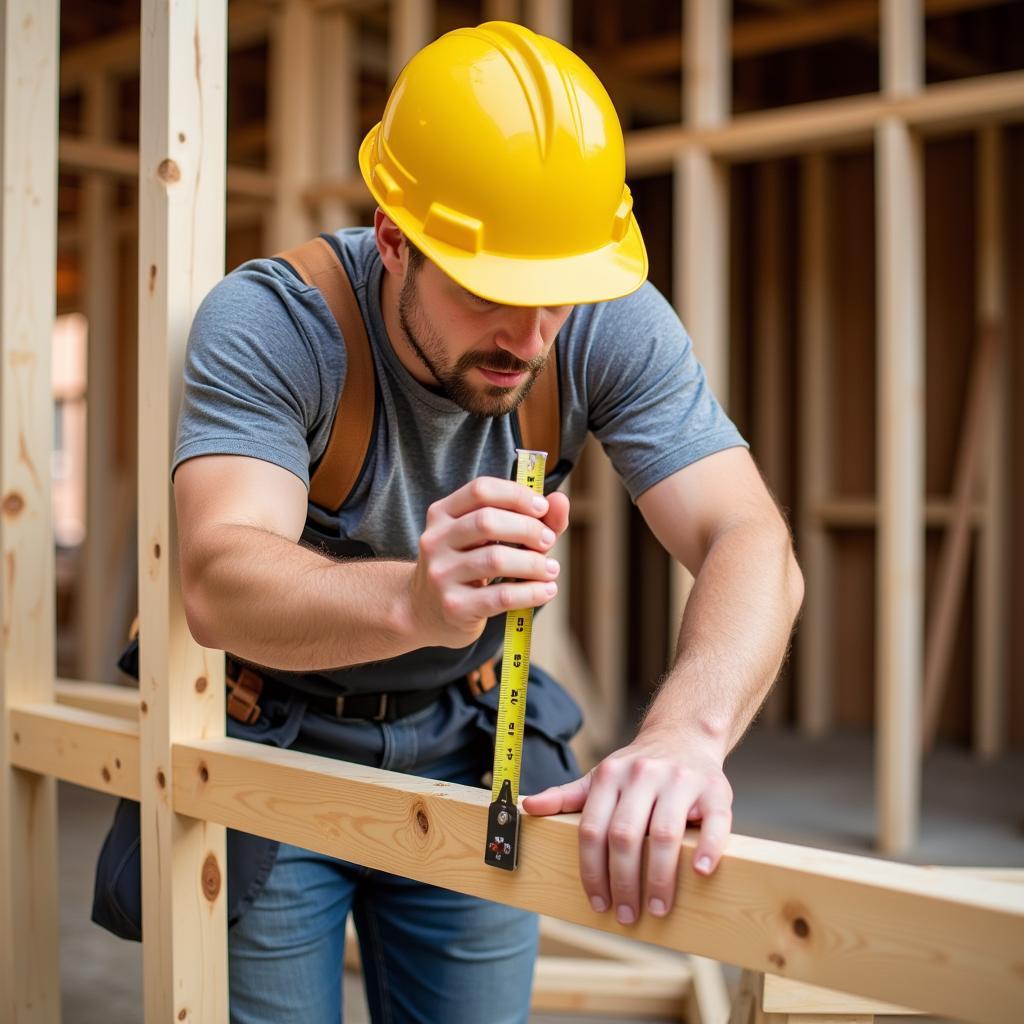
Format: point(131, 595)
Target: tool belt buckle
point(382, 707)
point(243, 696)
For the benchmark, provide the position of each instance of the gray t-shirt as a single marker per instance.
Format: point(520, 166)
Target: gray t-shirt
point(266, 364)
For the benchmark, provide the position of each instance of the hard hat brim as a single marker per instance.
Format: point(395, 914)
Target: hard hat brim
point(614, 270)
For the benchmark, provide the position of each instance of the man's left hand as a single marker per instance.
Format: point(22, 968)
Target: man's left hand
point(651, 787)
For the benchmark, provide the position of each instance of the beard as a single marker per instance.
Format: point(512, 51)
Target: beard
point(453, 378)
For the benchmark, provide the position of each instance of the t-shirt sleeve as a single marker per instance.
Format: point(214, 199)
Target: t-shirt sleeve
point(252, 377)
point(649, 400)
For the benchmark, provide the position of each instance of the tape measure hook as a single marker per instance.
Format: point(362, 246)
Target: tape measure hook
point(503, 831)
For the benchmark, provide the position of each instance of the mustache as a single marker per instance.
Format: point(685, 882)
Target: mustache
point(500, 362)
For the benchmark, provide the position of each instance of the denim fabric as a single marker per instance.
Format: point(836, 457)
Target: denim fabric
point(429, 955)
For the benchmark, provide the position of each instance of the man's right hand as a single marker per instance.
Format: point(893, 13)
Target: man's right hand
point(468, 541)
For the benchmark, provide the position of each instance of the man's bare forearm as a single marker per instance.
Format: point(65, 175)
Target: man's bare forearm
point(279, 604)
point(733, 636)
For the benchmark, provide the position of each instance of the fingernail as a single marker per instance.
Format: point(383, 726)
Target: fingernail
point(704, 865)
point(599, 904)
point(657, 907)
point(547, 536)
point(540, 504)
point(551, 565)
point(551, 589)
point(625, 914)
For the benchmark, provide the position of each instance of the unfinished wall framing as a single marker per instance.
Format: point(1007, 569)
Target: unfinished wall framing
point(168, 749)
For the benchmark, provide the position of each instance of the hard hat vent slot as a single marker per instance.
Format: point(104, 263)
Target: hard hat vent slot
point(458, 229)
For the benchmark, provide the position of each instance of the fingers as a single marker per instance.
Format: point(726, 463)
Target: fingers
point(715, 805)
point(668, 824)
point(487, 525)
point(566, 799)
point(557, 517)
point(492, 492)
point(497, 560)
point(593, 848)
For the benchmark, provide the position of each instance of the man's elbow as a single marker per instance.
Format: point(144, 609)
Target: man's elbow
point(794, 577)
point(198, 618)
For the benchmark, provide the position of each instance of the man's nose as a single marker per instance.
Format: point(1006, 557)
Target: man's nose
point(522, 334)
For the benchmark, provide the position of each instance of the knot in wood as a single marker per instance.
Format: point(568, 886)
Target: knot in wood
point(161, 779)
point(422, 821)
point(777, 960)
point(211, 877)
point(182, 1013)
point(14, 503)
point(801, 928)
point(152, 278)
point(200, 684)
point(156, 550)
point(168, 171)
point(143, 707)
point(204, 773)
point(105, 773)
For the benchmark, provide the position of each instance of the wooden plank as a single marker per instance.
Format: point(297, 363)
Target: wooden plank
point(501, 10)
point(769, 372)
point(927, 939)
point(412, 27)
point(96, 634)
point(954, 553)
point(117, 54)
point(815, 640)
point(863, 512)
point(122, 161)
point(701, 223)
point(293, 91)
point(551, 18)
point(992, 596)
point(709, 1001)
point(337, 113)
point(98, 751)
point(902, 44)
point(900, 440)
point(784, 995)
point(607, 988)
point(102, 698)
point(29, 980)
point(181, 251)
point(845, 122)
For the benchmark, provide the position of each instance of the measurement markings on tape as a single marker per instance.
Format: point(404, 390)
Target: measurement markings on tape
point(502, 849)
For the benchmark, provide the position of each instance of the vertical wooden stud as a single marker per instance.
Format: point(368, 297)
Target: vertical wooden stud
point(992, 598)
point(770, 379)
point(181, 252)
point(551, 18)
point(900, 555)
point(412, 27)
point(29, 976)
point(337, 111)
point(814, 668)
point(701, 205)
point(501, 10)
point(96, 631)
point(292, 112)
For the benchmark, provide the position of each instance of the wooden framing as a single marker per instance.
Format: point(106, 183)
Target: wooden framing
point(181, 255)
point(900, 551)
point(29, 980)
point(930, 939)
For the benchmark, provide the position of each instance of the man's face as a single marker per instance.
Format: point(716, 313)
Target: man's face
point(484, 356)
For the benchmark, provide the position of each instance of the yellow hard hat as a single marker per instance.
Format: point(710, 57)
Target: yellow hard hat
point(501, 158)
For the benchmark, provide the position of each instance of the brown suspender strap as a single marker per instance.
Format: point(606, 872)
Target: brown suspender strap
point(540, 425)
point(318, 265)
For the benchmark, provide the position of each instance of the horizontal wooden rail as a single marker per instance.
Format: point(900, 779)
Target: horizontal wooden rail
point(830, 123)
point(936, 941)
point(89, 749)
point(103, 698)
point(931, 939)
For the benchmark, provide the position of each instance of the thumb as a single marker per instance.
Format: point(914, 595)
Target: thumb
point(564, 799)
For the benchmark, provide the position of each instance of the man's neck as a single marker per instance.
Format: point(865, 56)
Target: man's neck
point(390, 289)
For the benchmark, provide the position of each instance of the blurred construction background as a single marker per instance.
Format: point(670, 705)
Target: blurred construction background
point(790, 271)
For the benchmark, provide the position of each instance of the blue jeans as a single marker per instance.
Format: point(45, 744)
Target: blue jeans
point(429, 955)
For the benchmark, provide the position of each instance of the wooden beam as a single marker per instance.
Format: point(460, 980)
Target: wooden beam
point(901, 45)
point(29, 980)
point(122, 161)
point(784, 995)
point(900, 441)
point(845, 122)
point(815, 640)
point(551, 18)
point(101, 698)
point(117, 54)
point(701, 221)
point(97, 751)
point(181, 688)
point(942, 943)
point(807, 25)
point(863, 512)
point(412, 27)
point(292, 132)
point(992, 595)
point(602, 988)
point(501, 10)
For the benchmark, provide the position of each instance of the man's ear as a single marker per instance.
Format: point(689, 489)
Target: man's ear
point(390, 243)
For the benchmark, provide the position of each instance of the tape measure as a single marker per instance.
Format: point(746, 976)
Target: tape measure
point(502, 849)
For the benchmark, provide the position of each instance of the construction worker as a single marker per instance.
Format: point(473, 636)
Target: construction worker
point(504, 257)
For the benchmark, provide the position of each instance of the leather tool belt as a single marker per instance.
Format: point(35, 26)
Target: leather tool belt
point(246, 687)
